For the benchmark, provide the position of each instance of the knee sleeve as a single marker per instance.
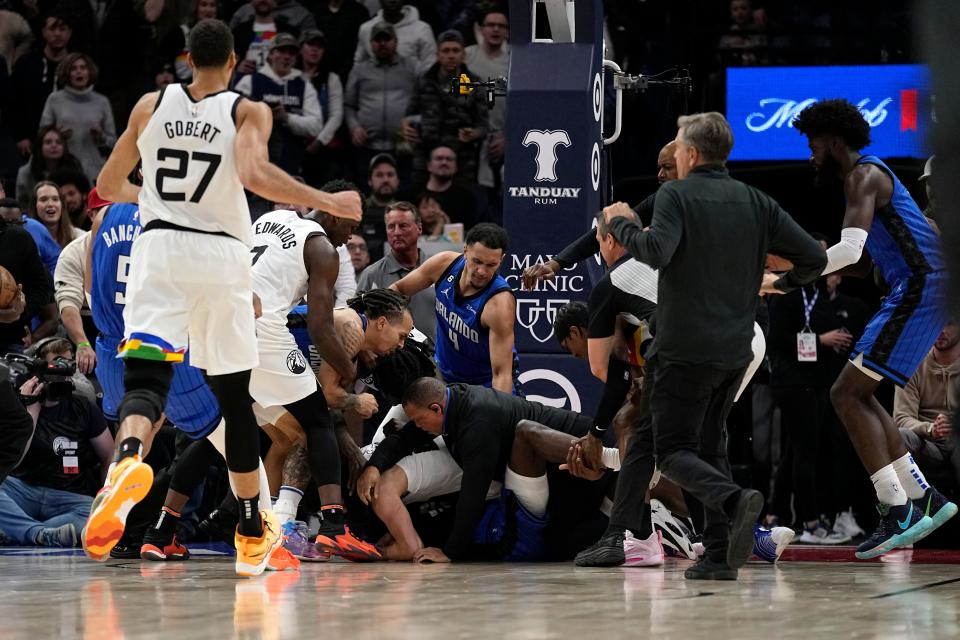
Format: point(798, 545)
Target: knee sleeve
point(531, 493)
point(192, 466)
point(323, 452)
point(241, 435)
point(147, 384)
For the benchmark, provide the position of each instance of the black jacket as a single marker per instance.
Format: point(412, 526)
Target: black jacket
point(709, 239)
point(479, 425)
point(587, 245)
point(19, 256)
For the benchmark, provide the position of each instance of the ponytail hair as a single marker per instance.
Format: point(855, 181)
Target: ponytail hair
point(380, 303)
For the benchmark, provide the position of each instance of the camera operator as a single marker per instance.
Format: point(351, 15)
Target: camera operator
point(47, 498)
point(16, 427)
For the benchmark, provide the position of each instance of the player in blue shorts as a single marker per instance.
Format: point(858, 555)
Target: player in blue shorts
point(883, 218)
point(476, 310)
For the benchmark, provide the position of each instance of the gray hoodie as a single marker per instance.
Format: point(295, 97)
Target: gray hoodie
point(78, 111)
point(376, 99)
point(415, 39)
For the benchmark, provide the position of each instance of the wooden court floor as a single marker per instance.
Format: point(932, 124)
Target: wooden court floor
point(63, 595)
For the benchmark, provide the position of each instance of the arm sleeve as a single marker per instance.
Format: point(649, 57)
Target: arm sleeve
point(906, 408)
point(68, 276)
point(654, 247)
point(47, 118)
point(479, 457)
point(847, 251)
point(95, 419)
point(351, 100)
point(346, 285)
point(334, 117)
point(310, 122)
point(586, 245)
point(109, 126)
point(614, 395)
point(790, 241)
point(601, 312)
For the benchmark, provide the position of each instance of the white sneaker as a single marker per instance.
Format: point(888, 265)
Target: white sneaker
point(675, 536)
point(846, 524)
point(821, 535)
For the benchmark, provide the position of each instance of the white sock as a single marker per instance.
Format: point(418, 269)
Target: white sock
point(287, 503)
point(910, 476)
point(611, 458)
point(887, 485)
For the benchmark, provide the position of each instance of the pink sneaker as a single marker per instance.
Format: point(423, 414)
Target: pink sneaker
point(643, 553)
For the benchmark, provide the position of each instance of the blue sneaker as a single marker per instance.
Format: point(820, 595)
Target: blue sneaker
point(769, 544)
point(937, 507)
point(900, 525)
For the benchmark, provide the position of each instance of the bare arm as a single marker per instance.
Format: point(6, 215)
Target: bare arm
point(336, 387)
point(598, 353)
point(112, 183)
point(258, 174)
point(499, 316)
point(323, 266)
point(426, 274)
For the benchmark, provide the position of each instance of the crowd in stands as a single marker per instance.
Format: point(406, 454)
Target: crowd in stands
point(360, 89)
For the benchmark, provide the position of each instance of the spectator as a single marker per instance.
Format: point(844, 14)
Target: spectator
point(923, 410)
point(253, 34)
point(15, 37)
point(19, 256)
point(455, 14)
point(414, 36)
point(491, 59)
point(743, 45)
point(173, 47)
point(446, 118)
point(384, 184)
point(457, 202)
point(377, 95)
point(324, 159)
point(34, 77)
point(403, 232)
point(296, 110)
point(114, 34)
point(359, 254)
point(292, 12)
point(43, 242)
point(433, 220)
point(47, 207)
point(47, 498)
point(340, 20)
point(82, 115)
point(74, 188)
point(163, 76)
point(50, 155)
point(931, 211)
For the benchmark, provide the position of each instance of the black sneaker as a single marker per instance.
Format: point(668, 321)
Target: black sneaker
point(744, 516)
point(216, 526)
point(606, 552)
point(125, 551)
point(707, 569)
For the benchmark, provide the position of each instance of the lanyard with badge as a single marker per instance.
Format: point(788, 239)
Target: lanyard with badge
point(807, 339)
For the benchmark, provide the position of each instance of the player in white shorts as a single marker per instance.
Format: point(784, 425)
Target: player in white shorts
point(189, 278)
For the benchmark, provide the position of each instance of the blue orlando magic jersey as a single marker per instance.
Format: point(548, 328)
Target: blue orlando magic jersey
point(111, 266)
point(463, 345)
point(900, 241)
point(297, 324)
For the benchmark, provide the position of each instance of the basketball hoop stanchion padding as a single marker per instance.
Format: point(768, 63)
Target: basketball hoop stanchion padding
point(552, 188)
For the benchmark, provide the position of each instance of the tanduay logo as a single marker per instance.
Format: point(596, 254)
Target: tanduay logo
point(546, 143)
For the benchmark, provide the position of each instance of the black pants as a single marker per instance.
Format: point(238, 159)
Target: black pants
point(16, 429)
point(690, 404)
point(802, 430)
point(630, 510)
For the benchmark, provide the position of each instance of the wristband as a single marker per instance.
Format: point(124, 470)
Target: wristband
point(81, 345)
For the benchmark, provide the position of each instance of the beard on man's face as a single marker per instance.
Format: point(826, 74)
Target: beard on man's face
point(827, 173)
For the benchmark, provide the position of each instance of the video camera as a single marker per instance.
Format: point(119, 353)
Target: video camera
point(56, 376)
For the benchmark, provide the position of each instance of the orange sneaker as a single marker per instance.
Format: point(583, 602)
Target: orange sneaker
point(156, 546)
point(338, 540)
point(253, 554)
point(128, 484)
point(282, 560)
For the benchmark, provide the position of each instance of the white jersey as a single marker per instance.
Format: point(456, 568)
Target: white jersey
point(189, 170)
point(279, 273)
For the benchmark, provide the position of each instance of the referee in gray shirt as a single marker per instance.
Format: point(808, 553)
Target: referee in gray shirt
point(709, 239)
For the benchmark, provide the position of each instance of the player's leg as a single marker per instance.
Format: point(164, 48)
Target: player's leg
point(389, 507)
point(323, 453)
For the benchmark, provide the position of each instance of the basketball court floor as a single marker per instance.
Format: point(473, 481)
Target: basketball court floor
point(812, 593)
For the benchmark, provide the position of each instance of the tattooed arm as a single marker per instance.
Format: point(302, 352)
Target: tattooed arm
point(336, 388)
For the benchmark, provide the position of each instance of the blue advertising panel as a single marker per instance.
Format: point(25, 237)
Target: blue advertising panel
point(560, 381)
point(763, 101)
